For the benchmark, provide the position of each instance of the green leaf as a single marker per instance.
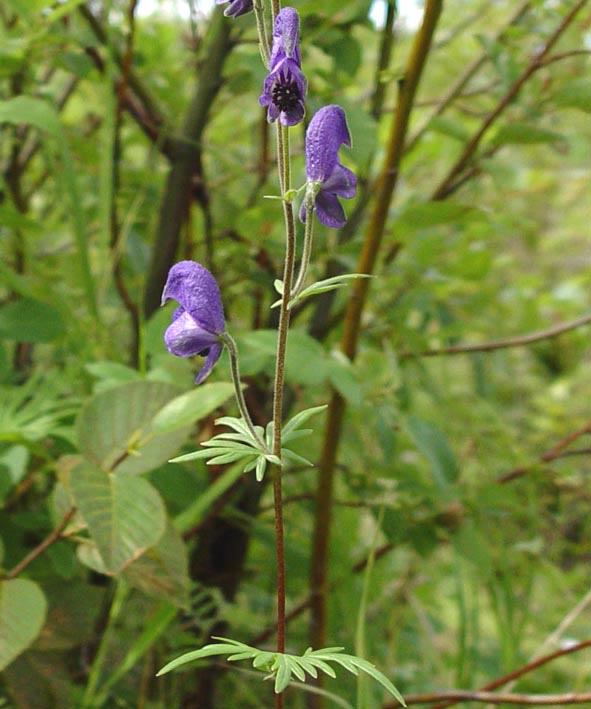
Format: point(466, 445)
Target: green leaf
point(197, 510)
point(191, 407)
point(525, 134)
point(327, 284)
point(575, 94)
point(301, 417)
point(426, 215)
point(282, 666)
point(22, 614)
point(29, 320)
point(432, 443)
point(450, 127)
point(116, 431)
point(163, 570)
point(111, 374)
point(125, 514)
point(30, 111)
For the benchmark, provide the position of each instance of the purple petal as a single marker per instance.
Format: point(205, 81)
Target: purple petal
point(326, 133)
point(236, 7)
point(215, 352)
point(294, 116)
point(184, 337)
point(286, 36)
point(342, 182)
point(329, 210)
point(193, 286)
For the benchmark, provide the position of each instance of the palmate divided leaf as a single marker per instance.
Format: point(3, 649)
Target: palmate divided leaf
point(240, 445)
point(326, 284)
point(284, 667)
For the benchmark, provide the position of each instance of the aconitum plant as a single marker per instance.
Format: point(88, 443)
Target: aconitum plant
point(198, 326)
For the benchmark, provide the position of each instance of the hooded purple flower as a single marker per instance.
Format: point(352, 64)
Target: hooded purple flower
point(285, 86)
point(236, 7)
point(199, 321)
point(329, 179)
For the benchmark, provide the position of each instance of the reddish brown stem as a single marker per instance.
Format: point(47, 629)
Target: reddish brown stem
point(46, 543)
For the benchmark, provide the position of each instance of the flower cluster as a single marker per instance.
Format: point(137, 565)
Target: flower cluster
point(198, 326)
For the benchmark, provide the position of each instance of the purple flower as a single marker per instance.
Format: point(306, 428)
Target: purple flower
point(285, 86)
point(198, 323)
point(236, 7)
point(327, 178)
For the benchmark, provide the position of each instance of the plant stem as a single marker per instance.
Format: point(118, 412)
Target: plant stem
point(259, 13)
point(283, 329)
point(230, 344)
point(307, 250)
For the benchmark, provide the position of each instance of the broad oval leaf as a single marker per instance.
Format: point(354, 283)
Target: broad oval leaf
point(22, 614)
point(192, 406)
point(125, 514)
point(116, 428)
point(163, 571)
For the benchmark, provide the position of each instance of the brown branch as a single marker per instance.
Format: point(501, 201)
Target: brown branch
point(516, 674)
point(47, 542)
point(459, 695)
point(136, 99)
point(115, 245)
point(386, 43)
point(518, 341)
point(467, 75)
point(555, 452)
point(186, 173)
point(447, 185)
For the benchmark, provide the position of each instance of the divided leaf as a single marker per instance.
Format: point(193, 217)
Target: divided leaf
point(283, 666)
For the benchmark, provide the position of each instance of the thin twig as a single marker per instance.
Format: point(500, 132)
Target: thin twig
point(447, 185)
point(465, 77)
point(555, 452)
point(40, 548)
point(459, 695)
point(517, 341)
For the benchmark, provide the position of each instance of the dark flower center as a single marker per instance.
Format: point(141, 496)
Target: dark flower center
point(286, 94)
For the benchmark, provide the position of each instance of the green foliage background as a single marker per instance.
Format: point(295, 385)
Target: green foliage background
point(464, 473)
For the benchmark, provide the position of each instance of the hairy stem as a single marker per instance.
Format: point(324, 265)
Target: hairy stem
point(259, 13)
point(283, 329)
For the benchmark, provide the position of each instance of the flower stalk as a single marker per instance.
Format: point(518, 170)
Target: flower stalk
point(230, 344)
point(307, 247)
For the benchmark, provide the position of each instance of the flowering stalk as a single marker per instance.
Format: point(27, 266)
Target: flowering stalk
point(306, 250)
point(259, 14)
point(230, 344)
point(283, 329)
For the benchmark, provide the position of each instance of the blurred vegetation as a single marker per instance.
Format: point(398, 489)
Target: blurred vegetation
point(130, 141)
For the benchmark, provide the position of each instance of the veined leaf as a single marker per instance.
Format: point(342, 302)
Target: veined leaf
point(124, 513)
point(22, 614)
